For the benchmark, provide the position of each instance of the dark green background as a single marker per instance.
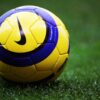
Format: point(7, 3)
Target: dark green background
point(81, 78)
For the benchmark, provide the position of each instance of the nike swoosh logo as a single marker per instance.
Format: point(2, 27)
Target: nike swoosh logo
point(22, 35)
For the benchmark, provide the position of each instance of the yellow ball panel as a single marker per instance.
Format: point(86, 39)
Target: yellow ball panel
point(60, 62)
point(42, 75)
point(63, 40)
point(23, 72)
point(49, 62)
point(10, 76)
point(4, 35)
point(19, 74)
point(14, 47)
point(39, 30)
point(4, 68)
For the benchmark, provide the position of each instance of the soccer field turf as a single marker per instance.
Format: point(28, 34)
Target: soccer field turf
point(81, 77)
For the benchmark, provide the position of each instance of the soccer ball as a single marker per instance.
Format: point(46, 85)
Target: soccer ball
point(34, 45)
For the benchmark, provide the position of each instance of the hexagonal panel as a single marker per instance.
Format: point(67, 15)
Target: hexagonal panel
point(48, 62)
point(63, 40)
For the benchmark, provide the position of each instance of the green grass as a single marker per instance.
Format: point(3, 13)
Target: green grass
point(81, 77)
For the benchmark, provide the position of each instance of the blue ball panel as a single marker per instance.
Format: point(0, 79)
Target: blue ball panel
point(46, 16)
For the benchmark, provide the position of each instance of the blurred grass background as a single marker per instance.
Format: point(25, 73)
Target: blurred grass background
point(81, 78)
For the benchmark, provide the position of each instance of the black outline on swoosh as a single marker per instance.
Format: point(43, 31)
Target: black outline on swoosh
point(22, 34)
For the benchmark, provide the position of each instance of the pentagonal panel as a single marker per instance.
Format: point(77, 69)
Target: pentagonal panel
point(38, 30)
point(60, 62)
point(48, 62)
point(63, 40)
point(5, 31)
